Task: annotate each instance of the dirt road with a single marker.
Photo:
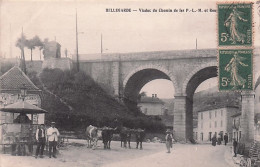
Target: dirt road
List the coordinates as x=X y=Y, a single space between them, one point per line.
x=153 y=155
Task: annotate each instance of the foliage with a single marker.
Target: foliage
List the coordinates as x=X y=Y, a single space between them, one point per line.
x=90 y=103
x=21 y=43
x=5 y=66
x=34 y=42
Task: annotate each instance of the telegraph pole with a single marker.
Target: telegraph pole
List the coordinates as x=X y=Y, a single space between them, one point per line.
x=77 y=54
x=101 y=45
x=196 y=44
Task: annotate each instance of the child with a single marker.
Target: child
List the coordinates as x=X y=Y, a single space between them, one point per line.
x=168 y=139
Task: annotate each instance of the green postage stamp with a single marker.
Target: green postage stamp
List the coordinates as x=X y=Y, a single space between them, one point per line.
x=235 y=24
x=235 y=69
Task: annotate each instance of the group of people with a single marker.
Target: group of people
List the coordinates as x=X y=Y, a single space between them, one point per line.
x=42 y=137
x=218 y=140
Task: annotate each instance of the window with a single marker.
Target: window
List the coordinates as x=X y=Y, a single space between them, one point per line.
x=209 y=115
x=215 y=113
x=216 y=124
x=239 y=135
x=201 y=136
x=221 y=123
x=210 y=133
x=201 y=116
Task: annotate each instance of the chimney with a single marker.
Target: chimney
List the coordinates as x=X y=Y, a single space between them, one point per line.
x=155 y=95
x=152 y=95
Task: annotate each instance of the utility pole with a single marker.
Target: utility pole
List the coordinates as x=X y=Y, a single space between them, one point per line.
x=10 y=42
x=101 y=45
x=77 y=54
x=196 y=44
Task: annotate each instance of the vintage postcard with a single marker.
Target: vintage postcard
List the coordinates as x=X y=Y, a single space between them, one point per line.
x=115 y=83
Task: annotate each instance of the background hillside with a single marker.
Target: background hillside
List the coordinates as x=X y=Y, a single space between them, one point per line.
x=89 y=103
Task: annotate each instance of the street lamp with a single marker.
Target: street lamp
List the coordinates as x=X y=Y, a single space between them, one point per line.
x=23 y=92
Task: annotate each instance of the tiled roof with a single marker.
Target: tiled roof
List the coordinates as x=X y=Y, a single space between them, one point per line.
x=14 y=79
x=145 y=99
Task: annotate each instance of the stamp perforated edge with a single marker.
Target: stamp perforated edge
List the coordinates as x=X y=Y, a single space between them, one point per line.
x=253 y=74
x=236 y=46
x=252 y=22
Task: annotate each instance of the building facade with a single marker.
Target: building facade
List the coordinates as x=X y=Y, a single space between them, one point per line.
x=151 y=105
x=10 y=92
x=215 y=122
x=236 y=127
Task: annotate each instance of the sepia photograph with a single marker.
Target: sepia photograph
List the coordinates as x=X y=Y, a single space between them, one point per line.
x=119 y=83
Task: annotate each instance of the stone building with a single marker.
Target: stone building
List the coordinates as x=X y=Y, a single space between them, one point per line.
x=236 y=127
x=151 y=105
x=11 y=83
x=215 y=121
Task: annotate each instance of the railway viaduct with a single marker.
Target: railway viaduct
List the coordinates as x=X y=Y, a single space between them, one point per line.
x=124 y=75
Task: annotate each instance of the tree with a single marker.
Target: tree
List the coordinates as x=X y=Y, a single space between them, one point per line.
x=34 y=42
x=140 y=95
x=21 y=43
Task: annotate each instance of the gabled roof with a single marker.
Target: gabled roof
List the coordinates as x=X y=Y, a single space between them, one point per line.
x=145 y=99
x=14 y=79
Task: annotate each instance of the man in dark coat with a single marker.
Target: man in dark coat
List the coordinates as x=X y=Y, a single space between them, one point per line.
x=226 y=139
x=41 y=140
x=235 y=147
x=214 y=140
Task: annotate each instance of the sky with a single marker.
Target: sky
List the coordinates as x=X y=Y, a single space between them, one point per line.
x=122 y=32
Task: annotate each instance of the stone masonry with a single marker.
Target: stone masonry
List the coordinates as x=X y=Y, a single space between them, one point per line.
x=124 y=75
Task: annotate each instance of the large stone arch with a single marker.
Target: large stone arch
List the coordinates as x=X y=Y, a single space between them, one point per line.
x=151 y=66
x=137 y=78
x=195 y=71
x=183 y=104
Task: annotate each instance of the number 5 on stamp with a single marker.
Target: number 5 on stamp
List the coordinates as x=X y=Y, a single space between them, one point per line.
x=235 y=24
x=235 y=69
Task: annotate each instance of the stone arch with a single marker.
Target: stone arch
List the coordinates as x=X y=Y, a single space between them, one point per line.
x=156 y=67
x=136 y=79
x=195 y=71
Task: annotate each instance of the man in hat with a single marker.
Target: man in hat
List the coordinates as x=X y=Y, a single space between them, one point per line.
x=168 y=139
x=52 y=134
x=41 y=140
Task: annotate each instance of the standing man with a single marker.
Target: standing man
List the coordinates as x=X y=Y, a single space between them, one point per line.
x=235 y=147
x=226 y=139
x=41 y=139
x=168 y=139
x=53 y=134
